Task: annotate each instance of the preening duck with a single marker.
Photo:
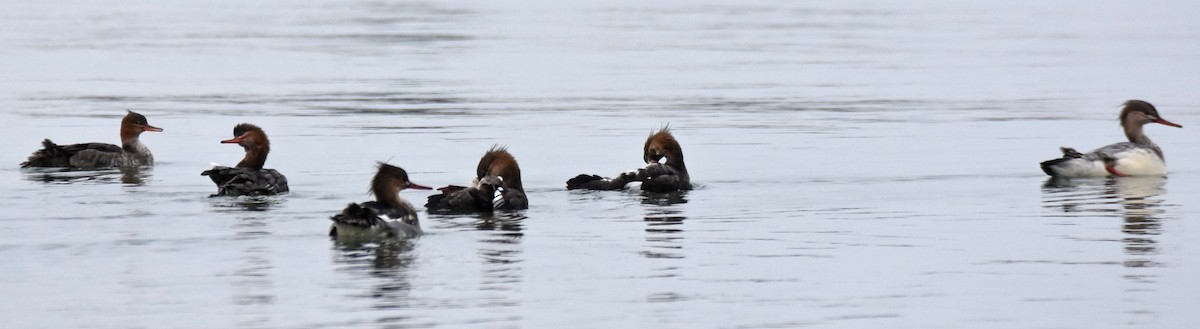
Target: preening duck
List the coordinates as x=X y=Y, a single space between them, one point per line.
x=1137 y=157
x=387 y=216
x=131 y=153
x=248 y=177
x=497 y=186
x=656 y=176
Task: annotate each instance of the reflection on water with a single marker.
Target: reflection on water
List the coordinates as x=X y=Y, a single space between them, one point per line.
x=247 y=203
x=1135 y=199
x=865 y=243
x=664 y=199
x=509 y=224
x=664 y=232
x=500 y=249
x=1138 y=202
x=252 y=283
x=132 y=176
x=387 y=261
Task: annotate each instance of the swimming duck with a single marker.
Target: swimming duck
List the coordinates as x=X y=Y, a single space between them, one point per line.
x=388 y=216
x=1137 y=157
x=131 y=153
x=655 y=176
x=497 y=186
x=248 y=177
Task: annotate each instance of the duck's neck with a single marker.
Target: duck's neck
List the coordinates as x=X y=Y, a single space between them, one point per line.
x=1136 y=136
x=256 y=157
x=388 y=196
x=513 y=181
x=675 y=160
x=1134 y=132
x=136 y=153
x=133 y=145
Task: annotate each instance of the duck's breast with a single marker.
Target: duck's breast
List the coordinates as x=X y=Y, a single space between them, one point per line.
x=1140 y=161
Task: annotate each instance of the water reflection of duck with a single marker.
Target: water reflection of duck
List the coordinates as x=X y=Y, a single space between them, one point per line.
x=1138 y=203
x=134 y=176
x=497 y=186
x=655 y=176
x=131 y=153
x=388 y=216
x=248 y=177
x=1137 y=157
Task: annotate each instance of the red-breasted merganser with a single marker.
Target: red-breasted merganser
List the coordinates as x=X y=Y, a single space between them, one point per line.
x=655 y=176
x=1137 y=157
x=131 y=153
x=388 y=216
x=248 y=177
x=497 y=186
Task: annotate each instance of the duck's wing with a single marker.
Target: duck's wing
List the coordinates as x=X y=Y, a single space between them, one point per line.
x=510 y=199
x=362 y=215
x=595 y=182
x=662 y=178
x=1116 y=151
x=84 y=155
x=234 y=181
x=1074 y=164
x=460 y=199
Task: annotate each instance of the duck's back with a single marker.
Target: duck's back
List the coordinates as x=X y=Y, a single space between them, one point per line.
x=83 y=155
x=1127 y=158
x=371 y=218
x=235 y=181
x=662 y=178
x=454 y=199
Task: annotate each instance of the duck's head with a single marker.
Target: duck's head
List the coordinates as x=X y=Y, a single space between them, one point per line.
x=501 y=164
x=662 y=144
x=249 y=136
x=1139 y=112
x=390 y=180
x=134 y=124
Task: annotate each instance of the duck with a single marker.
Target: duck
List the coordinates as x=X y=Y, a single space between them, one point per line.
x=1137 y=157
x=388 y=216
x=657 y=176
x=131 y=153
x=248 y=177
x=497 y=187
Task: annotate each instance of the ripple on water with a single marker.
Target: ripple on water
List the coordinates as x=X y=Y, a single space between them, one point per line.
x=1136 y=201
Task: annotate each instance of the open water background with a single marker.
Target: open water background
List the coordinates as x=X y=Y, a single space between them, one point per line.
x=859 y=163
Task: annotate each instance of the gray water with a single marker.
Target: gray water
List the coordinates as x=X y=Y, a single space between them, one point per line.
x=858 y=164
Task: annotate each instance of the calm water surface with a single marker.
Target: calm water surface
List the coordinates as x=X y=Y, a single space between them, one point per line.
x=859 y=164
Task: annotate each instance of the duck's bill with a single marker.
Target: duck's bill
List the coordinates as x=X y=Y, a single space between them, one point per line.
x=235 y=140
x=1167 y=123
x=491 y=181
x=415 y=186
x=151 y=128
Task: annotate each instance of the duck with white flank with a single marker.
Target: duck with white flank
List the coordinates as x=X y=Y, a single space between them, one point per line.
x=248 y=177
x=1137 y=157
x=655 y=176
x=388 y=216
x=131 y=153
x=497 y=186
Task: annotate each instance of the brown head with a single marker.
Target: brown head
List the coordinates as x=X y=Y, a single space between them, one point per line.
x=661 y=145
x=388 y=182
x=498 y=162
x=1139 y=112
x=133 y=125
x=254 y=141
